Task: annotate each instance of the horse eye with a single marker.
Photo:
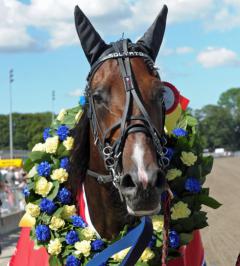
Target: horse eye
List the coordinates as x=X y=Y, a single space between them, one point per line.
x=158 y=96
x=97 y=97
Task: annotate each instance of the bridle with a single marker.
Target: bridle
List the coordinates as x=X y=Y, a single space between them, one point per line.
x=111 y=153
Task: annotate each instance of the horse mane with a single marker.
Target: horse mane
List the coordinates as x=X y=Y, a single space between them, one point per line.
x=80 y=154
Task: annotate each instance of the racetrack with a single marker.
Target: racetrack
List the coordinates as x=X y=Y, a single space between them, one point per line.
x=222 y=238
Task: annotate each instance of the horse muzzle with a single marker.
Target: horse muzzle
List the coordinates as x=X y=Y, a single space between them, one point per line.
x=143 y=194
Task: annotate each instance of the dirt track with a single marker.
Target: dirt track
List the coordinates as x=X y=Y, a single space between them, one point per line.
x=222 y=238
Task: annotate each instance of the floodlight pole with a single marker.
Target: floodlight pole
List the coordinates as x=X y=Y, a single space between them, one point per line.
x=10 y=114
x=53 y=99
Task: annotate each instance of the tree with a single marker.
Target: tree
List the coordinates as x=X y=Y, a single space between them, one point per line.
x=219 y=125
x=27 y=129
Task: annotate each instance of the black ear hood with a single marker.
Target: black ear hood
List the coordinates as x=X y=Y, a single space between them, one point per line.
x=152 y=38
x=92 y=44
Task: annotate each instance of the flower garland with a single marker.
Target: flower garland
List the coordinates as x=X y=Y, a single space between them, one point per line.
x=68 y=239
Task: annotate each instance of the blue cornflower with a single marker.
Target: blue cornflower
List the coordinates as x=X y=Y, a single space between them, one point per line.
x=169 y=153
x=72 y=237
x=179 y=132
x=26 y=191
x=44 y=169
x=47 y=206
x=72 y=261
x=97 y=245
x=64 y=196
x=77 y=221
x=174 y=239
x=64 y=163
x=42 y=233
x=82 y=100
x=46 y=133
x=63 y=132
x=152 y=242
x=193 y=185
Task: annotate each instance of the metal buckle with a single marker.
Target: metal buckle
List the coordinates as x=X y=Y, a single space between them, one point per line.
x=107 y=151
x=100 y=179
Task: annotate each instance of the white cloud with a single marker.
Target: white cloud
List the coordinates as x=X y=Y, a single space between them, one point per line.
x=109 y=17
x=12 y=39
x=62 y=34
x=166 y=51
x=184 y=50
x=216 y=57
x=226 y=16
x=76 y=93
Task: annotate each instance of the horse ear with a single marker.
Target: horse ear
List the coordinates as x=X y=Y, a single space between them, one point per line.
x=92 y=44
x=152 y=38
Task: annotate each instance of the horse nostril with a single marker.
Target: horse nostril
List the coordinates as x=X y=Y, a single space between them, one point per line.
x=127 y=181
x=160 y=179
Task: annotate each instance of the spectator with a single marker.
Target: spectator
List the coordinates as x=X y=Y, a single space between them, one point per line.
x=10 y=177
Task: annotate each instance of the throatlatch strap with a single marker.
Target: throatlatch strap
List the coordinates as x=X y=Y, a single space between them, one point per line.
x=137 y=239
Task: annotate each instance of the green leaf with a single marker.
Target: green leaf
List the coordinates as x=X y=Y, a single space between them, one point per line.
x=208 y=201
x=191 y=121
x=28 y=165
x=182 y=123
x=61 y=151
x=159 y=243
x=140 y=263
x=207 y=164
x=185 y=238
x=200 y=220
x=54 y=191
x=31 y=185
x=205 y=191
x=58 y=212
x=38 y=156
x=54 y=261
x=45 y=218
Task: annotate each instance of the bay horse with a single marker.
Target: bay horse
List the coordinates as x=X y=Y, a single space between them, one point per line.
x=119 y=159
x=119 y=141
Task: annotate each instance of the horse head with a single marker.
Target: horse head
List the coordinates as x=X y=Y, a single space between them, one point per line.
x=125 y=111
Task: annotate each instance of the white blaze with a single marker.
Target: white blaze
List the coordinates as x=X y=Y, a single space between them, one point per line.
x=137 y=157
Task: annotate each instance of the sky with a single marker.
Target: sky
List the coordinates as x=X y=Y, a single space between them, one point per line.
x=200 y=53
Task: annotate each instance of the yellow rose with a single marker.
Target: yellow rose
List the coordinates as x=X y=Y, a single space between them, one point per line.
x=60 y=174
x=56 y=223
x=147 y=255
x=61 y=115
x=54 y=247
x=83 y=247
x=158 y=222
x=188 y=158
x=180 y=210
x=51 y=144
x=68 y=143
x=120 y=255
x=43 y=187
x=78 y=116
x=88 y=233
x=173 y=173
x=32 y=209
x=39 y=147
x=68 y=211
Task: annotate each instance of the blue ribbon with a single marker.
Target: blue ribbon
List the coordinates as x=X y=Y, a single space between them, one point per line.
x=138 y=239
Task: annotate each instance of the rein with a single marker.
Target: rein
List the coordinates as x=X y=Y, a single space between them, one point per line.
x=111 y=153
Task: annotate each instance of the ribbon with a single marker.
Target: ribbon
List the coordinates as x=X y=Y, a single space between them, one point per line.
x=137 y=239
